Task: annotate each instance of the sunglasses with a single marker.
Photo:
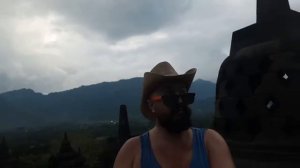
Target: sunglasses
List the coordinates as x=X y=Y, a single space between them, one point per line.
x=175 y=99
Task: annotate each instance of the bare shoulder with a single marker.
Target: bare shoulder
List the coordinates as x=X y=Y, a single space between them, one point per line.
x=128 y=153
x=132 y=144
x=212 y=137
x=218 y=151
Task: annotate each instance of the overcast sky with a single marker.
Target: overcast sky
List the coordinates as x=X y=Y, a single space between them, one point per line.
x=55 y=45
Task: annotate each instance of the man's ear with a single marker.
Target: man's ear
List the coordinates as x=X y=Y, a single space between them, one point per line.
x=150 y=105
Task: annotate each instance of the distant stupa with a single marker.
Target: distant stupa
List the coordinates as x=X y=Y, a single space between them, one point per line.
x=67 y=157
x=124 y=131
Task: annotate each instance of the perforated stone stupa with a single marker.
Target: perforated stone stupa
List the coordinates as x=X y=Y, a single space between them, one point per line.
x=258 y=88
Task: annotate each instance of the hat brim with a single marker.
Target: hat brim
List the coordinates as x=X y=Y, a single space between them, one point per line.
x=153 y=80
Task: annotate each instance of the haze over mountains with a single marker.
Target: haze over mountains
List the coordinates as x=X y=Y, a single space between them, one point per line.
x=98 y=102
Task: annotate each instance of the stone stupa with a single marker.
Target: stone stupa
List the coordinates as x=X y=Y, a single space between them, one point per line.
x=258 y=88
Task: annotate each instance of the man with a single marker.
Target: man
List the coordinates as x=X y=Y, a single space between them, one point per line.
x=172 y=143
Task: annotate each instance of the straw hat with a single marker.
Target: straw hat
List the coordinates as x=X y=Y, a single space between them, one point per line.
x=162 y=73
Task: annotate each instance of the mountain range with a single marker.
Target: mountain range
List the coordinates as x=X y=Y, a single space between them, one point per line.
x=97 y=102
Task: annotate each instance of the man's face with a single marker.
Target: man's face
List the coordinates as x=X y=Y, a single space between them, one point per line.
x=170 y=103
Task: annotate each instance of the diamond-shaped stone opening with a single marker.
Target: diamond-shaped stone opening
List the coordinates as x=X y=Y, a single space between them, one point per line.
x=285 y=76
x=270 y=104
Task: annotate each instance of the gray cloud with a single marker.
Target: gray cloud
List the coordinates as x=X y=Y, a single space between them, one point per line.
x=116 y=19
x=55 y=45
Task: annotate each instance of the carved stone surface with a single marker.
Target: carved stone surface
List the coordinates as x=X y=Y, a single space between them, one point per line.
x=258 y=88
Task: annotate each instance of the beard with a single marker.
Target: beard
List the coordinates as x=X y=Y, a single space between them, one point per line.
x=177 y=121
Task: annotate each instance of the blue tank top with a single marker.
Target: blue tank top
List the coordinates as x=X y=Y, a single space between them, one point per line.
x=199 y=159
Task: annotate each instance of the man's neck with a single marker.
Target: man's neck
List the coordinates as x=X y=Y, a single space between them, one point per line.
x=161 y=133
